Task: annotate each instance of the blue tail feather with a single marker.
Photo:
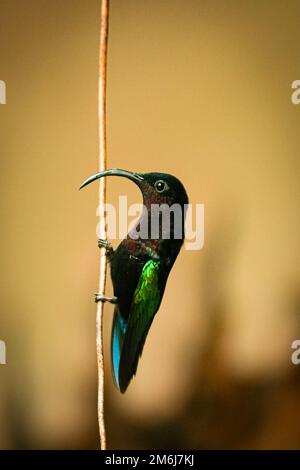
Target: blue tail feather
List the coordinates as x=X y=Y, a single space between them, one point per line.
x=118 y=333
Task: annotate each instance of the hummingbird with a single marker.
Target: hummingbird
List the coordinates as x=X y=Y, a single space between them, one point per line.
x=141 y=264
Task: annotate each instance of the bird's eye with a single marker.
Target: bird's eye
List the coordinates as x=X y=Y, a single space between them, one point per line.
x=161 y=186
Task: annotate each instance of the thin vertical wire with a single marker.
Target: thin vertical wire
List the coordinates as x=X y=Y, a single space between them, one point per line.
x=102 y=224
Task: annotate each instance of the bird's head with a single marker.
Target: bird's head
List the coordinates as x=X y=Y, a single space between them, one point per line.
x=163 y=197
x=156 y=188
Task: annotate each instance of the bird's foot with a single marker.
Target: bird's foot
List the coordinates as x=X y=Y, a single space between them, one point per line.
x=103 y=298
x=107 y=245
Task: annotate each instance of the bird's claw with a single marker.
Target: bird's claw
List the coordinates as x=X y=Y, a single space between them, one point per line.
x=103 y=298
x=105 y=244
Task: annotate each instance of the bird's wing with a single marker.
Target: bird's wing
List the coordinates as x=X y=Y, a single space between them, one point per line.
x=145 y=303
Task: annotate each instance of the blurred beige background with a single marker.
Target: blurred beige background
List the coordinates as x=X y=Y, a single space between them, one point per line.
x=200 y=89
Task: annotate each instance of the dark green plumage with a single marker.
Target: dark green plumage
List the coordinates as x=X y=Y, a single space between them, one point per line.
x=139 y=269
x=145 y=303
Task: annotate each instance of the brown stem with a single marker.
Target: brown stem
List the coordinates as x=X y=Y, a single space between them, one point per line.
x=102 y=225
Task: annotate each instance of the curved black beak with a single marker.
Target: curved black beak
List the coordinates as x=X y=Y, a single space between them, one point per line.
x=116 y=172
